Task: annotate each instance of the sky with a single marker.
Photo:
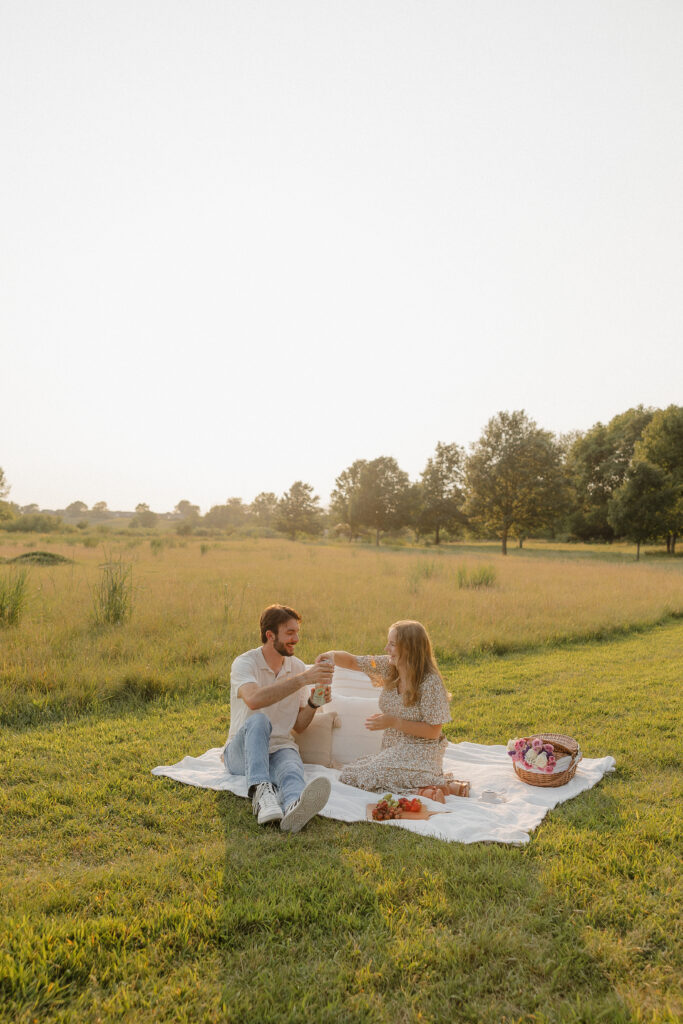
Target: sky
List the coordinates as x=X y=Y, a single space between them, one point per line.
x=247 y=243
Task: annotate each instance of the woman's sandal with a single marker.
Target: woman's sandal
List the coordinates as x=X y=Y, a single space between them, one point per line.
x=439 y=793
x=432 y=793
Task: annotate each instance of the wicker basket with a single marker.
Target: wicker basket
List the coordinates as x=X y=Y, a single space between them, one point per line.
x=563 y=745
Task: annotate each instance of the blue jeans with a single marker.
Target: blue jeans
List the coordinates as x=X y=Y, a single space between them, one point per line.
x=247 y=754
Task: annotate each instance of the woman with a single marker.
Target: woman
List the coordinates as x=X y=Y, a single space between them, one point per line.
x=413 y=707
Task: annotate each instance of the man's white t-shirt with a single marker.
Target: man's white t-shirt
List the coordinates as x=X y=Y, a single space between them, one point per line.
x=252 y=667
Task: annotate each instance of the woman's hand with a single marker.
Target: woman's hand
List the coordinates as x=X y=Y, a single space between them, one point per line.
x=380 y=721
x=326 y=656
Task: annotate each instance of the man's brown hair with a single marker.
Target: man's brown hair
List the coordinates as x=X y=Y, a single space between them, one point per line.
x=274 y=616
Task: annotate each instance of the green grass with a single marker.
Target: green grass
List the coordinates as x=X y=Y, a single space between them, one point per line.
x=13 y=588
x=130 y=898
x=482 y=576
x=113 y=598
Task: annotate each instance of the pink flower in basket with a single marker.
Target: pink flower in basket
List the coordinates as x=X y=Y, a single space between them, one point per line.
x=532 y=752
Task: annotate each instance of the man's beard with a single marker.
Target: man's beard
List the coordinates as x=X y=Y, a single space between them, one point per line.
x=280 y=648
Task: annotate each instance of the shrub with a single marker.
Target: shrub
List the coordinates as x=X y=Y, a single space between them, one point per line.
x=42 y=558
x=12 y=597
x=484 y=576
x=33 y=522
x=114 y=595
x=156 y=545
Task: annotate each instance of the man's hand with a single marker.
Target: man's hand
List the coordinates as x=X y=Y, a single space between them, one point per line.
x=307 y=712
x=327 y=692
x=319 y=674
x=380 y=721
x=257 y=697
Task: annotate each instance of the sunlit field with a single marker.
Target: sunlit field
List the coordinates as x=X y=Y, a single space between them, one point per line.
x=195 y=605
x=130 y=898
x=127 y=898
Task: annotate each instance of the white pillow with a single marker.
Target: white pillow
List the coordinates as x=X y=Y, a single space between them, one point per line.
x=347 y=682
x=351 y=739
x=315 y=742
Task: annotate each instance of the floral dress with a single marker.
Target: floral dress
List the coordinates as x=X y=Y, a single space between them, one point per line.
x=405 y=763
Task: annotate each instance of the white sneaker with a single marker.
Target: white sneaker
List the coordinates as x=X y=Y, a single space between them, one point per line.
x=265 y=804
x=313 y=799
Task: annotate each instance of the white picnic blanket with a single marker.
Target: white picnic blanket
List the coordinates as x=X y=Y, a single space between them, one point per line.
x=468 y=820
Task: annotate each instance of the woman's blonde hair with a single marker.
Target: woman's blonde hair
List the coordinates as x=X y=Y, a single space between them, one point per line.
x=416 y=657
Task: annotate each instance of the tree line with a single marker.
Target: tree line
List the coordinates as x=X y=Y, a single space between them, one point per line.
x=620 y=479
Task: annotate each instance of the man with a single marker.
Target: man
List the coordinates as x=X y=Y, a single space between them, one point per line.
x=268 y=698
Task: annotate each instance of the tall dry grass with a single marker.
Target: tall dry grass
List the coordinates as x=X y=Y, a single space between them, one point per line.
x=194 y=611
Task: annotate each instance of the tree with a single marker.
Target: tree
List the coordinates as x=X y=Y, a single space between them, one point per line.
x=100 y=510
x=76 y=509
x=514 y=477
x=189 y=517
x=440 y=494
x=638 y=510
x=298 y=511
x=144 y=516
x=596 y=464
x=383 y=499
x=662 y=445
x=8 y=510
x=345 y=496
x=187 y=510
x=263 y=508
x=226 y=517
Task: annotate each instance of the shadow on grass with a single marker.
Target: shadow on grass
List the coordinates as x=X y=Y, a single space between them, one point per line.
x=363 y=923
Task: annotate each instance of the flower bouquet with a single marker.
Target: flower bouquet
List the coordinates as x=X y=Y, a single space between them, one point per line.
x=534 y=753
x=545 y=760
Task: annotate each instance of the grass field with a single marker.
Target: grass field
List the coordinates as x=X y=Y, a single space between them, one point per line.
x=193 y=612
x=130 y=898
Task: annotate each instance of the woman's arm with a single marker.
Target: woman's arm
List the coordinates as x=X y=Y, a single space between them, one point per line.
x=341 y=658
x=422 y=729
